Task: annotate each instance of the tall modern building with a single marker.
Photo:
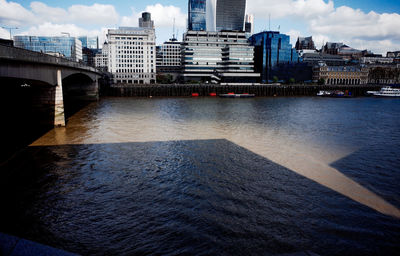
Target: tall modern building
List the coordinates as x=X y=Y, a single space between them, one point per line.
x=272 y=49
x=249 y=25
x=69 y=47
x=230 y=15
x=197 y=15
x=210 y=15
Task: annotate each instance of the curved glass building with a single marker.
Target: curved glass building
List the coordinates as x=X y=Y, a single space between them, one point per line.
x=197 y=15
x=230 y=15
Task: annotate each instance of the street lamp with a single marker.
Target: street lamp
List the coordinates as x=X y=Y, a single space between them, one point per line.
x=10 y=28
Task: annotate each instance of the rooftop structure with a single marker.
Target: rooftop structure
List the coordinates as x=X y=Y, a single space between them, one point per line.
x=331 y=60
x=332 y=48
x=145 y=21
x=305 y=43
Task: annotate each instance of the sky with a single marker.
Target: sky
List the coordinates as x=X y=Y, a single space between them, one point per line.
x=362 y=24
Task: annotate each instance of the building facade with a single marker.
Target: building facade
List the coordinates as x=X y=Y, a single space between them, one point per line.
x=132 y=55
x=271 y=49
x=340 y=75
x=230 y=15
x=89 y=42
x=69 y=47
x=331 y=60
x=169 y=58
x=217 y=56
x=249 y=25
x=101 y=58
x=305 y=43
x=197 y=12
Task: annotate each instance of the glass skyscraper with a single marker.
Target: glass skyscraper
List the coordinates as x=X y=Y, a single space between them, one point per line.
x=197 y=15
x=69 y=47
x=271 y=49
x=230 y=15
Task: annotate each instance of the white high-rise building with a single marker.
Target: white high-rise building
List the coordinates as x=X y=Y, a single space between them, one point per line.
x=211 y=7
x=132 y=55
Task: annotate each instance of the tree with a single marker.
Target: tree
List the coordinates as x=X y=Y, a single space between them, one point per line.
x=292 y=80
x=275 y=79
x=321 y=81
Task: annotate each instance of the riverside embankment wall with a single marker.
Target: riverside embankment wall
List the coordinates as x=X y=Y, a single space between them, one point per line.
x=185 y=90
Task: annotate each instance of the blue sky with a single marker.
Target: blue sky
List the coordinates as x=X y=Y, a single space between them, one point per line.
x=359 y=23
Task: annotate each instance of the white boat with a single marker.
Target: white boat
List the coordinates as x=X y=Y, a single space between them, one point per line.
x=386 y=91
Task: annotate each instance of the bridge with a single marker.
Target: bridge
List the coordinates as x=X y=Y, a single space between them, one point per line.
x=41 y=85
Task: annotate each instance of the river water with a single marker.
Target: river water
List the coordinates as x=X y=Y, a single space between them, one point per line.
x=210 y=176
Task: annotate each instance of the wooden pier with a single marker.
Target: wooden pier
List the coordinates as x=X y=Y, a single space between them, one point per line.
x=265 y=90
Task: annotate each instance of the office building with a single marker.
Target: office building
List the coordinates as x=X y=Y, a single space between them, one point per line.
x=271 y=49
x=101 y=58
x=169 y=58
x=217 y=57
x=145 y=21
x=305 y=43
x=132 y=55
x=197 y=15
x=211 y=6
x=89 y=42
x=230 y=15
x=331 y=60
x=340 y=75
x=69 y=47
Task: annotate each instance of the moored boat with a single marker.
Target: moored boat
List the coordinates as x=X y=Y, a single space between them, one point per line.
x=237 y=95
x=386 y=91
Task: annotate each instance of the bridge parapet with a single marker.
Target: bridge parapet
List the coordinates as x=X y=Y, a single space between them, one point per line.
x=19 y=54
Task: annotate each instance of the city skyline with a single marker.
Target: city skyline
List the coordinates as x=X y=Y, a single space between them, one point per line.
x=360 y=24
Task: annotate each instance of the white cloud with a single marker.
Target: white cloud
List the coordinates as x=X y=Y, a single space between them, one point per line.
x=13 y=14
x=285 y=8
x=132 y=20
x=164 y=15
x=51 y=29
x=45 y=13
x=94 y=14
x=375 y=31
x=4 y=33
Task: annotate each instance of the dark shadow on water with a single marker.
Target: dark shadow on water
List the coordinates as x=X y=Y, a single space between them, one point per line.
x=203 y=197
x=376 y=168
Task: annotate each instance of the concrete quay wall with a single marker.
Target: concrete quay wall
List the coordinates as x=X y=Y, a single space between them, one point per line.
x=186 y=90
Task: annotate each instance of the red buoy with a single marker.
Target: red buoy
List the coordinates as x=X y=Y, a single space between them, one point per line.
x=195 y=94
x=213 y=94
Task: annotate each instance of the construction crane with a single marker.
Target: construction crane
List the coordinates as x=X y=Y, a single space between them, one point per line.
x=10 y=29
